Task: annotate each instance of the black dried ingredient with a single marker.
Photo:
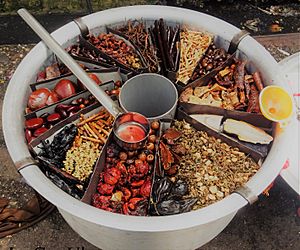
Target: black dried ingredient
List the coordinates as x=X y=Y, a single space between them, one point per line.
x=179 y=189
x=64 y=186
x=170 y=207
x=162 y=189
x=62 y=142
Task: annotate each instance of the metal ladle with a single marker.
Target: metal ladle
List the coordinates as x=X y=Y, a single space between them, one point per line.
x=121 y=118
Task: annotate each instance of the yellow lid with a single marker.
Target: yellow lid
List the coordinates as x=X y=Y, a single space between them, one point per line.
x=275 y=103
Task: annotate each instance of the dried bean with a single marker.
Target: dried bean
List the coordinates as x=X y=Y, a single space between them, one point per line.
x=73 y=109
x=54 y=118
x=34 y=123
x=39 y=131
x=28 y=135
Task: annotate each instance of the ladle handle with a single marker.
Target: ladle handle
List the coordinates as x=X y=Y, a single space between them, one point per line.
x=100 y=95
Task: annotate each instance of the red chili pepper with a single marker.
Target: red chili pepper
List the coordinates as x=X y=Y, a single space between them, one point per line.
x=137 y=183
x=125 y=209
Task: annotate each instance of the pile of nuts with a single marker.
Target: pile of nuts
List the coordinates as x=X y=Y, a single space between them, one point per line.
x=125 y=183
x=213 y=58
x=211 y=168
x=117 y=49
x=193 y=45
x=91 y=135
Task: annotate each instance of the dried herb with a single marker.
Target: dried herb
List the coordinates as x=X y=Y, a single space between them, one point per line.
x=136 y=32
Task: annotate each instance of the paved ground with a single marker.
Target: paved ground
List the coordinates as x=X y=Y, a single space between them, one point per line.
x=271 y=223
x=259 y=19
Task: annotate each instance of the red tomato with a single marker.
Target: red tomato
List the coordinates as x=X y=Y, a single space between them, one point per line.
x=64 y=88
x=95 y=78
x=38 y=98
x=52 y=98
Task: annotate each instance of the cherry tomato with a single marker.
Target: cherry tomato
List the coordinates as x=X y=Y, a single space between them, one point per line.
x=38 y=98
x=64 y=88
x=95 y=78
x=52 y=98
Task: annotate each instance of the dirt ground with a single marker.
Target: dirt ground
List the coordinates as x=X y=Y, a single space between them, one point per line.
x=271 y=223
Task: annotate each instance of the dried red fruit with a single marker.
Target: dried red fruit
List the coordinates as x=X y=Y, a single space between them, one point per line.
x=95 y=78
x=38 y=98
x=52 y=98
x=28 y=135
x=105 y=189
x=64 y=88
x=146 y=189
x=112 y=176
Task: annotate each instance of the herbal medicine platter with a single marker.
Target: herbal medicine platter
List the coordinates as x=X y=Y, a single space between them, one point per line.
x=195 y=228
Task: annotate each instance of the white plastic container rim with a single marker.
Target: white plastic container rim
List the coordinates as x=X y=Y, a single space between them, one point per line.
x=290 y=67
x=17 y=94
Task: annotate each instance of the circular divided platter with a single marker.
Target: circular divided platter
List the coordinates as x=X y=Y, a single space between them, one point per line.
x=214 y=144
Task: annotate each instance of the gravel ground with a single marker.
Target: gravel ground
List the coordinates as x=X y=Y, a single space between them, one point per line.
x=271 y=223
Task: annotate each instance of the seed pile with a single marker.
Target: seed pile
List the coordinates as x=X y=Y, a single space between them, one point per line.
x=211 y=168
x=81 y=160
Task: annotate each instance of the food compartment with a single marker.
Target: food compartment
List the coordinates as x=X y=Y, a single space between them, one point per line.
x=166 y=38
x=38 y=122
x=123 y=182
x=115 y=49
x=257 y=152
x=52 y=91
x=136 y=31
x=55 y=68
x=250 y=131
x=68 y=153
x=84 y=53
x=234 y=87
x=193 y=47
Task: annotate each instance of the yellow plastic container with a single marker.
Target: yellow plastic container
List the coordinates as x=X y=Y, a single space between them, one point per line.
x=276 y=104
